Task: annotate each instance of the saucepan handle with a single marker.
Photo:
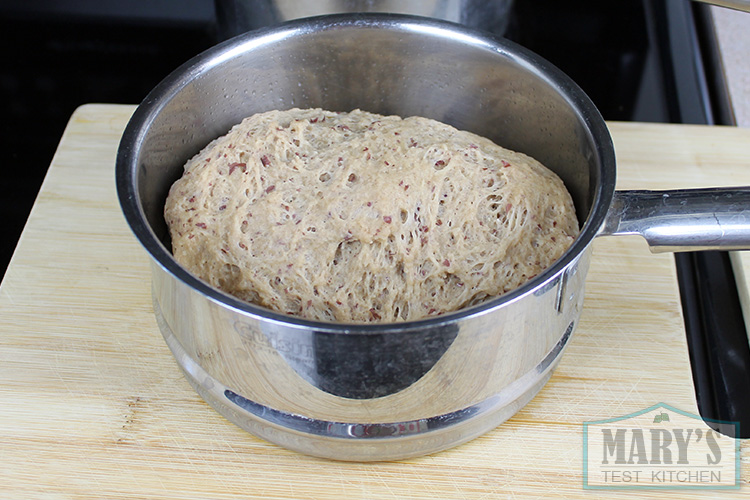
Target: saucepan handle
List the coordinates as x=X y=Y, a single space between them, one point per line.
x=743 y=5
x=683 y=220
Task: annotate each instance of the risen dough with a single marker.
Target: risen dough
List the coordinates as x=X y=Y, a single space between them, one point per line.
x=358 y=217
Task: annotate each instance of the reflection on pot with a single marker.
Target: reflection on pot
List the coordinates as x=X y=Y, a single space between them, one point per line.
x=238 y=16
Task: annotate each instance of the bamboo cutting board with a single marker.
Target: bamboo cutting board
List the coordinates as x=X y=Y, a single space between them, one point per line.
x=92 y=404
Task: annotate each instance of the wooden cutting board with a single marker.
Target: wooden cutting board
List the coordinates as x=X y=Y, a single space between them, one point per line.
x=92 y=404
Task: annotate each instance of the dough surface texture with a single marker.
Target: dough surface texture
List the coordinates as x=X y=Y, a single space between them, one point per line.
x=357 y=217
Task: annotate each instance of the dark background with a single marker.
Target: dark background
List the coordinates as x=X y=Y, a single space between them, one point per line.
x=64 y=53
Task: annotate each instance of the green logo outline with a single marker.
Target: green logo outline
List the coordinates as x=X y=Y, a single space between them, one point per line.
x=736 y=425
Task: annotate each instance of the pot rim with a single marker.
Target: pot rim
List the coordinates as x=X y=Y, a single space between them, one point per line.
x=128 y=154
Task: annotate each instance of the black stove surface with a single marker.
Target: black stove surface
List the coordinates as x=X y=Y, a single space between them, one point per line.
x=650 y=61
x=639 y=60
x=67 y=53
x=62 y=54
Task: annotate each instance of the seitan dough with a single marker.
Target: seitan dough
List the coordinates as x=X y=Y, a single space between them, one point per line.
x=358 y=217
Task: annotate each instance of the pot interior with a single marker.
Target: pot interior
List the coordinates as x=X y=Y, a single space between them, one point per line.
x=382 y=64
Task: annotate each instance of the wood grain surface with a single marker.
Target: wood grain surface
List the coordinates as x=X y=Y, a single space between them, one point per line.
x=93 y=405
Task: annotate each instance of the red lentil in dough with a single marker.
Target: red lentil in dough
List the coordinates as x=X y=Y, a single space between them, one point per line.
x=357 y=217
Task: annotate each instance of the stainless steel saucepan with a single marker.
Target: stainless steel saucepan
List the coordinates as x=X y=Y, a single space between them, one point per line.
x=389 y=391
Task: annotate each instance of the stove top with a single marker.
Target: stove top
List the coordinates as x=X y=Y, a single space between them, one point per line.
x=649 y=61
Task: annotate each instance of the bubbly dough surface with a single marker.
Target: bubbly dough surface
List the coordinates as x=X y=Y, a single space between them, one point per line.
x=357 y=217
